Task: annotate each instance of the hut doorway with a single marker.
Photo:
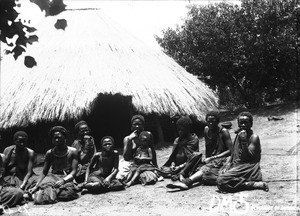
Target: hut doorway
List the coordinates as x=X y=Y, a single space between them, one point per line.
x=110 y=116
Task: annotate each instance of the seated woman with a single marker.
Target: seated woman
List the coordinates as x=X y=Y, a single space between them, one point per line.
x=101 y=173
x=130 y=147
x=142 y=162
x=217 y=149
x=19 y=163
x=184 y=147
x=58 y=185
x=86 y=149
x=243 y=169
x=9 y=196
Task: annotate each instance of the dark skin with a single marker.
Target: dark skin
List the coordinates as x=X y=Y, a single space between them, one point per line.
x=184 y=133
x=89 y=146
x=83 y=130
x=24 y=162
x=211 y=129
x=61 y=148
x=130 y=141
x=250 y=142
x=145 y=154
x=250 y=145
x=2 y=158
x=84 y=135
x=104 y=163
x=136 y=127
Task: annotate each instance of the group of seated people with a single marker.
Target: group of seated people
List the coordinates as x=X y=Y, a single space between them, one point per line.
x=79 y=167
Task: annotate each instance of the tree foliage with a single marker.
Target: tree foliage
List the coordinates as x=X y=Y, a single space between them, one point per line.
x=17 y=33
x=247 y=52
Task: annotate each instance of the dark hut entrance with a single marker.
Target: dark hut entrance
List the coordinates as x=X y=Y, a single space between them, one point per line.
x=110 y=116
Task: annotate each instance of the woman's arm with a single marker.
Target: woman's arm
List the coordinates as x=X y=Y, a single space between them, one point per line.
x=29 y=168
x=91 y=165
x=45 y=171
x=71 y=175
x=127 y=153
x=227 y=142
x=115 y=168
x=250 y=150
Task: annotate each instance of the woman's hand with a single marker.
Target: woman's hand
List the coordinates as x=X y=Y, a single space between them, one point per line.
x=33 y=190
x=22 y=186
x=242 y=136
x=133 y=135
x=106 y=183
x=59 y=183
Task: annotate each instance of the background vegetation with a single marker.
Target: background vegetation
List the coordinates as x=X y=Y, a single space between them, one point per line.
x=248 y=53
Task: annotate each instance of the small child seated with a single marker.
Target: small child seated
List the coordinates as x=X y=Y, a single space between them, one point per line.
x=100 y=175
x=142 y=167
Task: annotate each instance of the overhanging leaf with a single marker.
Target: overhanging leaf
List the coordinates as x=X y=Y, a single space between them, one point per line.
x=60 y=24
x=32 y=38
x=29 y=62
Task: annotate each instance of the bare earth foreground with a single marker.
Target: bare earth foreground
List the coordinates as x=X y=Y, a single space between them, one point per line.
x=280 y=166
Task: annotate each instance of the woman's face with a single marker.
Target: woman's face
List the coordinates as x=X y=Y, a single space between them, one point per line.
x=183 y=131
x=21 y=142
x=83 y=130
x=58 y=139
x=107 y=145
x=212 y=122
x=137 y=125
x=244 y=123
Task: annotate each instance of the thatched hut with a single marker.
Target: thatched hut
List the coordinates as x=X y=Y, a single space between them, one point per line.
x=94 y=69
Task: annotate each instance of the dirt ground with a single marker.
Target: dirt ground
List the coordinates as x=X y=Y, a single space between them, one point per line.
x=280 y=165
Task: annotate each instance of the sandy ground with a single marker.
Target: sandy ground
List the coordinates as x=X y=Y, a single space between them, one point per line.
x=280 y=166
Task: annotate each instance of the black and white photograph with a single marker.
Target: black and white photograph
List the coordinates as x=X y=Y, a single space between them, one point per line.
x=149 y=107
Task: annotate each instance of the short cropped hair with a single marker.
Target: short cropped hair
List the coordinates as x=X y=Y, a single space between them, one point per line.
x=248 y=114
x=184 y=121
x=214 y=113
x=140 y=117
x=58 y=129
x=108 y=137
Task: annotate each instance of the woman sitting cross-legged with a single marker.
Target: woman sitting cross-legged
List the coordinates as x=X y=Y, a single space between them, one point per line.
x=57 y=185
x=185 y=146
x=101 y=173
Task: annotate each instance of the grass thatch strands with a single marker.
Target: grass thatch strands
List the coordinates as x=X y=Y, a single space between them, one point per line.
x=94 y=55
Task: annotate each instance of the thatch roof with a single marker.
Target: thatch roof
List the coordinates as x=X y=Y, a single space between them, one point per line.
x=94 y=55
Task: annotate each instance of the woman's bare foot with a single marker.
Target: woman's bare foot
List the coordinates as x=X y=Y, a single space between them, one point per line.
x=181 y=178
x=261 y=185
x=178 y=184
x=128 y=184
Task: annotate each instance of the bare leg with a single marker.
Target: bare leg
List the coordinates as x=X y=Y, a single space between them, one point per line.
x=135 y=176
x=185 y=184
x=256 y=185
x=93 y=186
x=128 y=177
x=197 y=176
